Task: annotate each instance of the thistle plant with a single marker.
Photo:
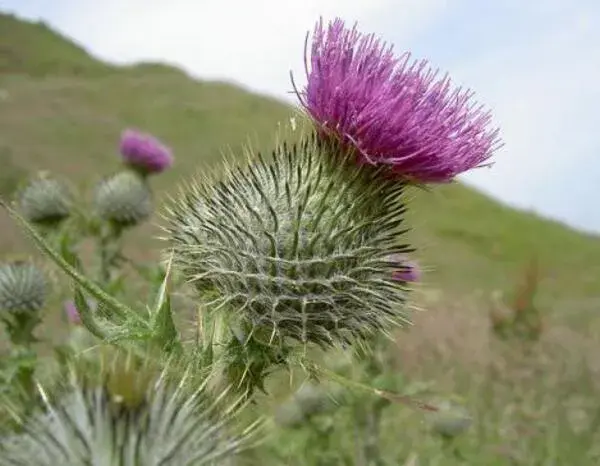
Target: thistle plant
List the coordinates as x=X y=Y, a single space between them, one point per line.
x=72 y=313
x=49 y=203
x=393 y=111
x=117 y=409
x=45 y=201
x=299 y=249
x=23 y=292
x=408 y=270
x=144 y=153
x=123 y=199
x=293 y=248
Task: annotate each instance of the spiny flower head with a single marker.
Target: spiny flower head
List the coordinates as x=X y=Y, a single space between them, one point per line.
x=45 y=200
x=23 y=287
x=392 y=110
x=128 y=414
x=145 y=152
x=124 y=199
x=295 y=245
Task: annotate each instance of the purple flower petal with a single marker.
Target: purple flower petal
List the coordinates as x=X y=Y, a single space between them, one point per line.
x=145 y=152
x=408 y=270
x=72 y=313
x=393 y=110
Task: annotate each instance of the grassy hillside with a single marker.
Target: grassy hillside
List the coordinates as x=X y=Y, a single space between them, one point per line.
x=62 y=110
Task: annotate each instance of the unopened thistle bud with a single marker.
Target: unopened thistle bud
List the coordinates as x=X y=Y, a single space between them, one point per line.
x=124 y=199
x=45 y=200
x=295 y=245
x=23 y=288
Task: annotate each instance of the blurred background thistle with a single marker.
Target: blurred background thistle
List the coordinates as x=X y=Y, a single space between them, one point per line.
x=23 y=293
x=113 y=408
x=45 y=201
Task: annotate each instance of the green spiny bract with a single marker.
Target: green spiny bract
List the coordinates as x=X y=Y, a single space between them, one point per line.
x=124 y=199
x=23 y=288
x=127 y=412
x=295 y=245
x=45 y=200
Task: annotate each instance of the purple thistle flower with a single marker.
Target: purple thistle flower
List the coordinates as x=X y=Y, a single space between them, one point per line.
x=72 y=313
x=392 y=110
x=145 y=152
x=408 y=271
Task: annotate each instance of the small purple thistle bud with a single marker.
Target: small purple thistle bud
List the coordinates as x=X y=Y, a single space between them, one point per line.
x=144 y=152
x=408 y=270
x=392 y=110
x=72 y=313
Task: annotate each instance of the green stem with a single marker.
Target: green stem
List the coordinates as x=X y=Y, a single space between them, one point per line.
x=390 y=396
x=109 y=251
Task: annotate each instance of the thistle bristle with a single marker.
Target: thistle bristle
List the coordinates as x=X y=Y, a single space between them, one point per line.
x=23 y=287
x=295 y=244
x=45 y=200
x=128 y=413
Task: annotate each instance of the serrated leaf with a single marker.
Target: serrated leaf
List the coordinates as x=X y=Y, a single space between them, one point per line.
x=87 y=318
x=164 y=330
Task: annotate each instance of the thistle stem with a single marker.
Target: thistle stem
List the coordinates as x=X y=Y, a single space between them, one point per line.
x=109 y=251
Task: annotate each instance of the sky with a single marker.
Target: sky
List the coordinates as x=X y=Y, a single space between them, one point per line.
x=535 y=64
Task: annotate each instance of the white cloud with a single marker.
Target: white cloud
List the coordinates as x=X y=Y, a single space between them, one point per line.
x=255 y=43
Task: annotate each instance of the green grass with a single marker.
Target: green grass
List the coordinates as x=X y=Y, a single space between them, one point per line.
x=62 y=110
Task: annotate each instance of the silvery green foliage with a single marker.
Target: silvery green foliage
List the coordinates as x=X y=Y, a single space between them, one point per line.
x=295 y=245
x=86 y=426
x=124 y=199
x=45 y=200
x=23 y=287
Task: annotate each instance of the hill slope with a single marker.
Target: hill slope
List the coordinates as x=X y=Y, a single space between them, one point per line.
x=62 y=110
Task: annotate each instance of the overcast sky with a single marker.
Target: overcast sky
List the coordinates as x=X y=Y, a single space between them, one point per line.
x=534 y=63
